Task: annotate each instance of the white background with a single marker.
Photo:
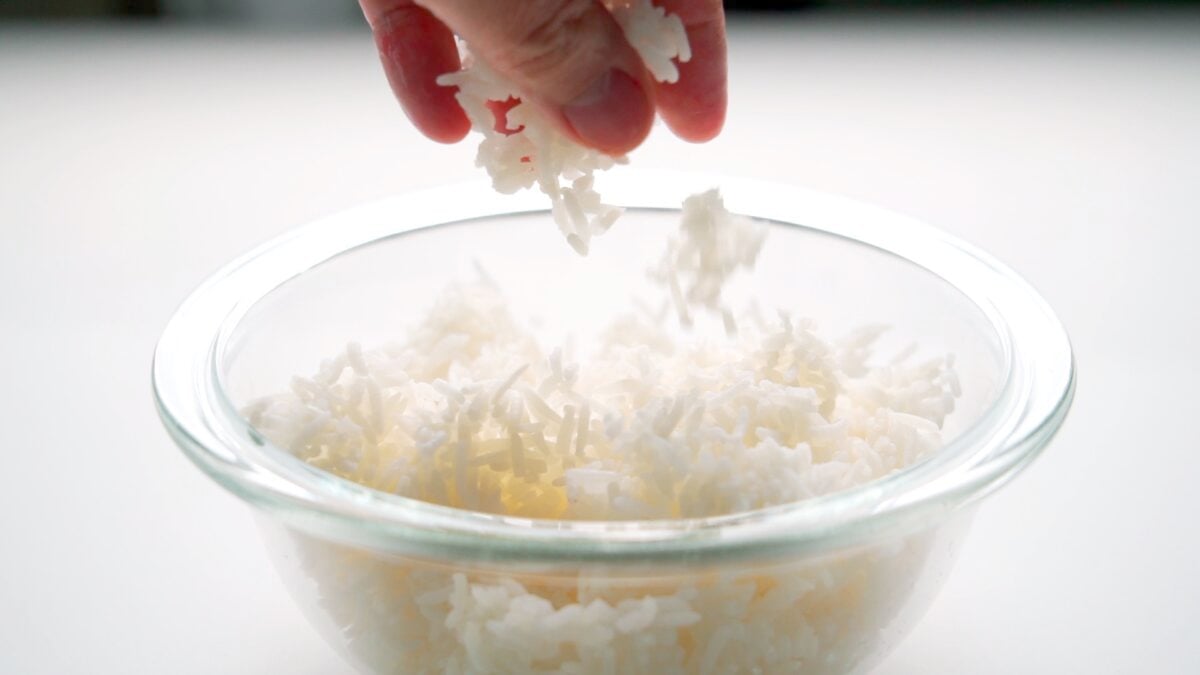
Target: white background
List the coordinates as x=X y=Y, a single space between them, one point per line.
x=134 y=161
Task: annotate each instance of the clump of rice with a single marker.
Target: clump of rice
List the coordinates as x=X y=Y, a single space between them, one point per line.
x=530 y=150
x=711 y=246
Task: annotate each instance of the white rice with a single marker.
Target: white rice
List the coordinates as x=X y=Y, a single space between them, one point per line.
x=817 y=616
x=538 y=153
x=470 y=411
x=773 y=416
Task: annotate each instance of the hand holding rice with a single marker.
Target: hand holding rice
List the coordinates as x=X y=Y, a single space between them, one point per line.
x=558 y=89
x=560 y=54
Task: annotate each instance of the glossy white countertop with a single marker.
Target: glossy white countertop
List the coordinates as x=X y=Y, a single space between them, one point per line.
x=135 y=160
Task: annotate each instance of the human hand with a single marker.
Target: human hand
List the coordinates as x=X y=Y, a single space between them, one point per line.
x=569 y=57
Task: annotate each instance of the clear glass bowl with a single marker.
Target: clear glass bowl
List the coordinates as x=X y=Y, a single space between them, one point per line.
x=826 y=585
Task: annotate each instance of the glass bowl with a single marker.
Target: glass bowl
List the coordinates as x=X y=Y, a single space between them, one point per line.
x=825 y=585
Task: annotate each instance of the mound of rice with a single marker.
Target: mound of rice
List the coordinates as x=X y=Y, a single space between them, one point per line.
x=470 y=411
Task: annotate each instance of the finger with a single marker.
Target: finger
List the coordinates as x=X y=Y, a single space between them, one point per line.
x=568 y=57
x=415 y=49
x=694 y=107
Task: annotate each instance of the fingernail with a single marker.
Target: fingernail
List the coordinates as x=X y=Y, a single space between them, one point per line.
x=613 y=115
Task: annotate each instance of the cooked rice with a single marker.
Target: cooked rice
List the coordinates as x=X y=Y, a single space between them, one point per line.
x=531 y=150
x=471 y=411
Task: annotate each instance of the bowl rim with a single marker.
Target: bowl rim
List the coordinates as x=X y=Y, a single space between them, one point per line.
x=1034 y=399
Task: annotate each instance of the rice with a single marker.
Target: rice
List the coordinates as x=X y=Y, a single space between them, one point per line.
x=772 y=416
x=530 y=150
x=818 y=616
x=471 y=411
x=712 y=245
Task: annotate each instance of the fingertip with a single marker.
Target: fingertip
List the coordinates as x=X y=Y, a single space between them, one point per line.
x=694 y=124
x=448 y=124
x=694 y=107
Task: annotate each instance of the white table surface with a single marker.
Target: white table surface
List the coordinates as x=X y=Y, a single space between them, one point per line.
x=134 y=160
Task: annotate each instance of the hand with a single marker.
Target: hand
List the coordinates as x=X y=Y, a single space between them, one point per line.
x=569 y=57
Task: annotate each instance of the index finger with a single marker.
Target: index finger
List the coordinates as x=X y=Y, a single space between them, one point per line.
x=694 y=107
x=415 y=48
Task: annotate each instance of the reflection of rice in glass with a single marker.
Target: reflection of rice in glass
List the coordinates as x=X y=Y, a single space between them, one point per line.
x=821 y=615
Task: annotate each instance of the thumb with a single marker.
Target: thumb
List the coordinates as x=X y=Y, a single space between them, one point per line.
x=568 y=57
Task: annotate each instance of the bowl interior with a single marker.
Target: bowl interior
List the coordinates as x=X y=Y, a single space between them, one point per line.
x=374 y=293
